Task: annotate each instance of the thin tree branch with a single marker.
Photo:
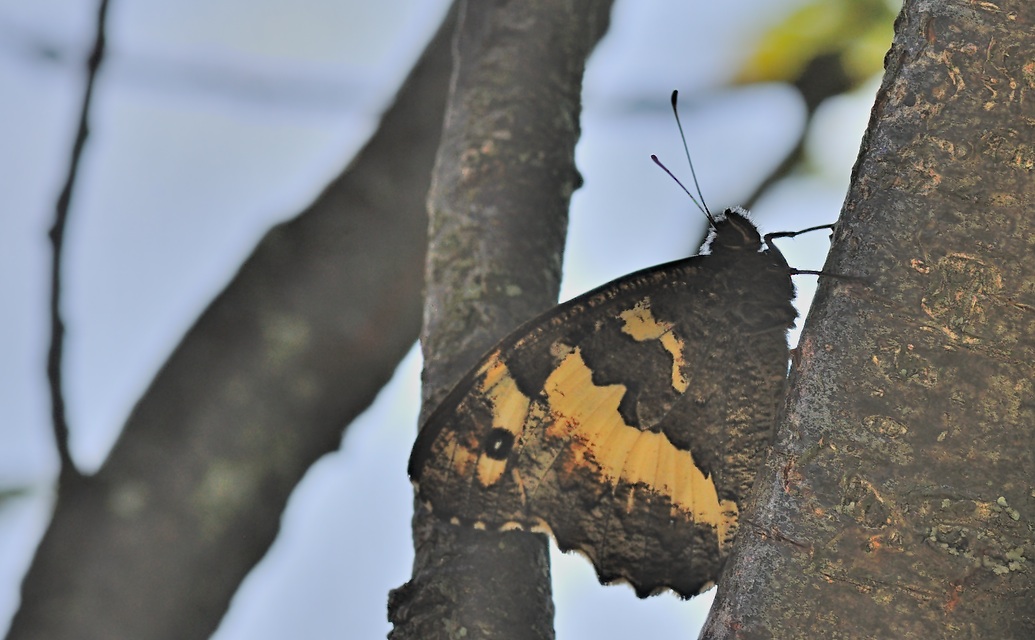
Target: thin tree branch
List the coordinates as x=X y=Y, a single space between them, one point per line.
x=57 y=239
x=823 y=77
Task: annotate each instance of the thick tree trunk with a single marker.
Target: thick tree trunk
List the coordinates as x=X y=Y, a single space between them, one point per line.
x=499 y=202
x=299 y=343
x=899 y=501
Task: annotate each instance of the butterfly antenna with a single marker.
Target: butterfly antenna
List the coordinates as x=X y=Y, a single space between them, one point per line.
x=693 y=174
x=704 y=210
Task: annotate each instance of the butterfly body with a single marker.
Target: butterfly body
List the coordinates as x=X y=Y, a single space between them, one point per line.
x=628 y=422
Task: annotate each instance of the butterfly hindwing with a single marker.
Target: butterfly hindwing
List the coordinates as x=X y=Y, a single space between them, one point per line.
x=628 y=422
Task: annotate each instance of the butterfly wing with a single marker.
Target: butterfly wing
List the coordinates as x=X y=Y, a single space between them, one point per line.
x=628 y=422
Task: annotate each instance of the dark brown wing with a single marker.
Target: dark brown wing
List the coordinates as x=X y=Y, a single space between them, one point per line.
x=629 y=422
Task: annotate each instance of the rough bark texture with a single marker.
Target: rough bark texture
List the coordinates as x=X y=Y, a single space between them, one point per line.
x=503 y=179
x=299 y=343
x=899 y=500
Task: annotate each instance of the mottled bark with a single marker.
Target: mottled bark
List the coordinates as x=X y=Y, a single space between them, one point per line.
x=898 y=501
x=499 y=202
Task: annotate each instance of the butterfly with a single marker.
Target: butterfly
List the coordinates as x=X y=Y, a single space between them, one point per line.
x=628 y=422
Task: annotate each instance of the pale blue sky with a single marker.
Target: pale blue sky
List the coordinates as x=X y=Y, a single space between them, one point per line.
x=215 y=120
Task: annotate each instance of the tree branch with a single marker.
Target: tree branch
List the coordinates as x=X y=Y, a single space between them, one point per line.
x=299 y=343
x=69 y=472
x=503 y=179
x=897 y=500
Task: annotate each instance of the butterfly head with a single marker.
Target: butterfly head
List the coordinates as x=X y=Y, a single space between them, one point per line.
x=734 y=231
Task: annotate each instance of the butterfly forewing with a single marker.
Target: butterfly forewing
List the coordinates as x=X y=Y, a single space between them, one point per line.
x=629 y=422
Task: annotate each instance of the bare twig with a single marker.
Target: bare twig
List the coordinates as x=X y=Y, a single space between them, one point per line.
x=57 y=238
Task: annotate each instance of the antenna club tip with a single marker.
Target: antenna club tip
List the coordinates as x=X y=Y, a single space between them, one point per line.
x=675 y=96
